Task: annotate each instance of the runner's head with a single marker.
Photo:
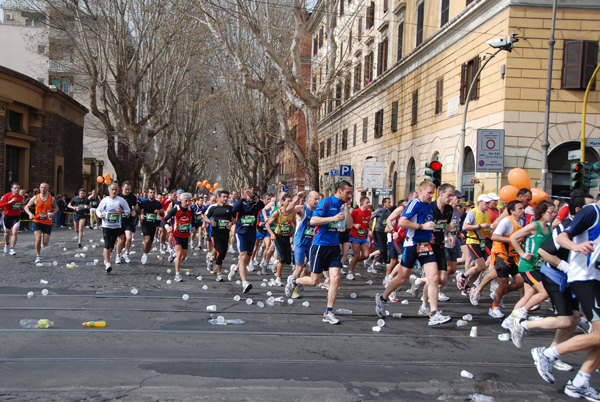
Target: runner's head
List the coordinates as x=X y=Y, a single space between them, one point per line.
x=426 y=191
x=126 y=187
x=222 y=197
x=81 y=192
x=343 y=191
x=151 y=193
x=113 y=190
x=515 y=209
x=483 y=202
x=185 y=199
x=285 y=201
x=445 y=193
x=544 y=211
x=15 y=188
x=364 y=203
x=493 y=200
x=312 y=199
x=44 y=188
x=524 y=195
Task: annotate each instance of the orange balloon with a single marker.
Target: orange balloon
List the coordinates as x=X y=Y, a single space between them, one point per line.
x=508 y=193
x=537 y=196
x=107 y=175
x=99 y=179
x=216 y=186
x=199 y=184
x=107 y=181
x=205 y=182
x=519 y=178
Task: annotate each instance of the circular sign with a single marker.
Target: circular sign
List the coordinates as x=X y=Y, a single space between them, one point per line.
x=490 y=144
x=481 y=163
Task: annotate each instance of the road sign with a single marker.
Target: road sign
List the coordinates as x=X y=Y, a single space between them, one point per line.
x=384 y=191
x=372 y=176
x=490 y=150
x=285 y=189
x=345 y=170
x=574 y=155
x=592 y=142
x=333 y=172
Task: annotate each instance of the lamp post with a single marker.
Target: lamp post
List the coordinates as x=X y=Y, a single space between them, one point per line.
x=499 y=44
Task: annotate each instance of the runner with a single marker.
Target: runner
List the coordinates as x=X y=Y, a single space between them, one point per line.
x=379 y=235
x=150 y=213
x=94 y=201
x=222 y=217
x=453 y=252
x=45 y=208
x=11 y=221
x=247 y=209
x=358 y=235
x=79 y=204
x=110 y=210
x=280 y=235
x=128 y=223
x=344 y=235
x=180 y=229
x=417 y=219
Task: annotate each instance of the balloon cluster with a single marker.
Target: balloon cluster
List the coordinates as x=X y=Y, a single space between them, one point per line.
x=209 y=187
x=518 y=179
x=104 y=179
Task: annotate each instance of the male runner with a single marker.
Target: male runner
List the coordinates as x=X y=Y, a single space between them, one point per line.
x=358 y=235
x=128 y=223
x=181 y=229
x=110 y=210
x=79 y=204
x=12 y=203
x=220 y=217
x=45 y=208
x=150 y=213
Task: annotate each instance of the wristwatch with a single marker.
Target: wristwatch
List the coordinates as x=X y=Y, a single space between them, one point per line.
x=420 y=226
x=479 y=226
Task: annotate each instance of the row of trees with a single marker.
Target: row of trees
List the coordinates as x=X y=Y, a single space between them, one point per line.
x=168 y=80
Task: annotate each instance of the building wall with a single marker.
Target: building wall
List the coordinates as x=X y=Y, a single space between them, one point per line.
x=24 y=49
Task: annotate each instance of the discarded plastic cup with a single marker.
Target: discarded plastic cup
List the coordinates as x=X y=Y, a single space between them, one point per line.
x=185 y=297
x=353 y=295
x=290 y=301
x=168 y=281
x=199 y=277
x=269 y=293
x=369 y=282
x=279 y=299
x=187 y=273
x=260 y=304
x=381 y=322
x=55 y=263
x=504 y=337
x=404 y=301
x=271 y=301
x=468 y=317
x=236 y=298
x=466 y=374
x=220 y=319
x=158 y=278
x=376 y=328
x=45 y=292
x=306 y=304
x=473 y=333
x=249 y=301
x=397 y=315
x=205 y=287
x=169 y=271
x=461 y=323
x=343 y=311
x=43 y=281
x=29 y=295
x=134 y=291
x=211 y=308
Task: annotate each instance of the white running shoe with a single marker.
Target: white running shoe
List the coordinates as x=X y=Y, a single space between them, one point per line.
x=295 y=294
x=12 y=252
x=178 y=277
x=278 y=281
x=350 y=276
x=438 y=318
x=442 y=296
x=5 y=248
x=246 y=286
x=144 y=259
x=496 y=312
x=414 y=288
x=231 y=274
x=107 y=267
x=424 y=310
x=126 y=258
x=117 y=259
x=250 y=267
x=330 y=318
x=38 y=259
x=219 y=278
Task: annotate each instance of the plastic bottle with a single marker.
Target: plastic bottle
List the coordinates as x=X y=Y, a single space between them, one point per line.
x=94 y=324
x=90 y=263
x=481 y=398
x=466 y=374
x=343 y=311
x=397 y=315
x=235 y=321
x=33 y=323
x=44 y=264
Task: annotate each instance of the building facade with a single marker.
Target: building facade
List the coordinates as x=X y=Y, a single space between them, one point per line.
x=41 y=135
x=405 y=68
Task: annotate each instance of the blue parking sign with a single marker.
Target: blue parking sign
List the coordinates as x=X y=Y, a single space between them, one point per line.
x=333 y=172
x=285 y=189
x=345 y=170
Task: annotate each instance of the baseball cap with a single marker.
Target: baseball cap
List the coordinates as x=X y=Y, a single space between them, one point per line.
x=484 y=198
x=458 y=194
x=493 y=196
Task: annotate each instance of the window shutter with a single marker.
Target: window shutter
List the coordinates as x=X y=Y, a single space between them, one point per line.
x=475 y=94
x=590 y=63
x=463 y=83
x=365 y=129
x=394 y=116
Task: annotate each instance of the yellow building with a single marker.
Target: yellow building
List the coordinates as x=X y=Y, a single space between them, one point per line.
x=404 y=72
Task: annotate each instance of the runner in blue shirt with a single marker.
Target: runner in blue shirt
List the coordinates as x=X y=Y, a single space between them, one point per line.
x=325 y=252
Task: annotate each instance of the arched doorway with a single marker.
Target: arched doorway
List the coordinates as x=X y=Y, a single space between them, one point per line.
x=559 y=166
x=468 y=174
x=411 y=177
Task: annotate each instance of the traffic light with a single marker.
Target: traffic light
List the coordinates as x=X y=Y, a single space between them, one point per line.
x=577 y=173
x=433 y=171
x=591 y=175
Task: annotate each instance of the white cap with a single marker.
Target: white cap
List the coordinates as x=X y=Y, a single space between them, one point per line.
x=493 y=196
x=484 y=198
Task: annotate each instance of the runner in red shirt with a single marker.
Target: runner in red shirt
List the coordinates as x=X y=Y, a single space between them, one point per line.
x=163 y=233
x=12 y=203
x=358 y=234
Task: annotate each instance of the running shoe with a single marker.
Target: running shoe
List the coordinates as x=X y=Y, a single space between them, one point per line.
x=289 y=287
x=350 y=276
x=107 y=267
x=5 y=248
x=178 y=277
x=117 y=259
x=586 y=392
x=474 y=297
x=393 y=297
x=171 y=257
x=231 y=274
x=460 y=281
x=544 y=364
x=380 y=305
x=414 y=288
x=368 y=261
x=495 y=313
x=330 y=318
x=246 y=286
x=372 y=270
x=562 y=366
x=263 y=267
x=424 y=310
x=325 y=284
x=507 y=324
x=438 y=318
x=144 y=259
x=38 y=259
x=278 y=281
x=534 y=308
x=126 y=258
x=79 y=244
x=295 y=294
x=12 y=252
x=442 y=296
x=516 y=335
x=386 y=280
x=219 y=278
x=250 y=267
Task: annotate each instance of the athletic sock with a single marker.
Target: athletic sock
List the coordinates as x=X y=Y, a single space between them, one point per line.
x=581 y=379
x=524 y=325
x=551 y=353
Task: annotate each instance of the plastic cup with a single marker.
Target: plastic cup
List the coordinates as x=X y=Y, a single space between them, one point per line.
x=466 y=374
x=211 y=308
x=236 y=298
x=306 y=304
x=473 y=333
x=376 y=328
x=381 y=322
x=185 y=297
x=45 y=292
x=504 y=337
x=248 y=301
x=353 y=295
x=134 y=291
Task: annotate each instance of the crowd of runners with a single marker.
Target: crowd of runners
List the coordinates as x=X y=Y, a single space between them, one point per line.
x=544 y=251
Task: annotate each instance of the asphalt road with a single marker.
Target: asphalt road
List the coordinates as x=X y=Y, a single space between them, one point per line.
x=159 y=347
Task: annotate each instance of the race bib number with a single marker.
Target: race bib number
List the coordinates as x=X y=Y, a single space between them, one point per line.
x=94 y=204
x=183 y=227
x=309 y=232
x=248 y=220
x=112 y=218
x=222 y=224
x=424 y=249
x=151 y=217
x=16 y=206
x=80 y=207
x=126 y=216
x=361 y=232
x=44 y=215
x=332 y=227
x=441 y=225
x=285 y=228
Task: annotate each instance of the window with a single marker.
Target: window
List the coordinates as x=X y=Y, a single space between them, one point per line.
x=468 y=71
x=379 y=124
x=445 y=13
x=365 y=129
x=579 y=62
x=344 y=139
x=400 y=41
x=360 y=23
x=415 y=107
x=338 y=95
x=321 y=37
x=15 y=121
x=41 y=49
x=328 y=146
x=420 y=22
x=337 y=139
x=66 y=87
x=370 y=16
x=382 y=52
x=314 y=83
x=322 y=150
x=341 y=8
x=385 y=6
x=347 y=86
x=439 y=93
x=354 y=140
x=357 y=76
x=394 y=126
x=350 y=41
x=315 y=45
x=368 y=68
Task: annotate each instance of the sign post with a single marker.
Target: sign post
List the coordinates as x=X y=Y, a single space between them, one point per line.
x=490 y=151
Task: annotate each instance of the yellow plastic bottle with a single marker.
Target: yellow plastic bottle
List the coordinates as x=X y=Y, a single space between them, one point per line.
x=94 y=324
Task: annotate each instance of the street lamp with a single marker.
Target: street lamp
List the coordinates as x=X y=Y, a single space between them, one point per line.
x=499 y=44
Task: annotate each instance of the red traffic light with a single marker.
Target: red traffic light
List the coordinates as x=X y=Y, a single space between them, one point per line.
x=578 y=167
x=435 y=165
